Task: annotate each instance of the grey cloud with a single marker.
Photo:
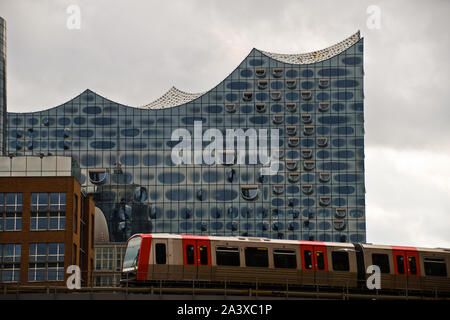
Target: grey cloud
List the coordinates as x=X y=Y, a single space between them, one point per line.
x=133 y=51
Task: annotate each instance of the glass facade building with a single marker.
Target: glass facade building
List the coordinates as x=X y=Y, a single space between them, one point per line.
x=108 y=264
x=311 y=104
x=3 y=109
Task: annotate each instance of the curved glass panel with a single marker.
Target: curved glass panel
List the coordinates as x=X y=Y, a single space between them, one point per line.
x=249 y=193
x=97 y=176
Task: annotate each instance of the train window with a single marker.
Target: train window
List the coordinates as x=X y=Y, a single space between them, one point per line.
x=284 y=259
x=160 y=250
x=340 y=261
x=382 y=261
x=132 y=253
x=320 y=260
x=400 y=264
x=435 y=267
x=227 y=256
x=256 y=257
x=307 y=259
x=190 y=256
x=203 y=255
x=412 y=265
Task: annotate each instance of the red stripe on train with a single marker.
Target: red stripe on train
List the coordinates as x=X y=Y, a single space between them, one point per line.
x=311 y=243
x=144 y=257
x=193 y=237
x=404 y=248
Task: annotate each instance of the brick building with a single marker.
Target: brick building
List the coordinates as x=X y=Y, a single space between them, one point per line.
x=46 y=221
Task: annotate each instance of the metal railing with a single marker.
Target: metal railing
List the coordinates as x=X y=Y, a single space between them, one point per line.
x=221 y=287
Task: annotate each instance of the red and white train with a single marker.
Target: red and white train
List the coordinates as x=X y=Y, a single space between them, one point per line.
x=178 y=258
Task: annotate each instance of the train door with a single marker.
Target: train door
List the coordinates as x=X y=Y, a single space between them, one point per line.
x=406 y=265
x=160 y=259
x=321 y=265
x=203 y=259
x=189 y=259
x=196 y=259
x=314 y=264
x=307 y=259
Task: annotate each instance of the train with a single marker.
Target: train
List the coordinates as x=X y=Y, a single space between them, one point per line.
x=170 y=258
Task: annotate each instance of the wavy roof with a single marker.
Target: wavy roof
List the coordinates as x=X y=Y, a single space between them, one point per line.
x=172 y=98
x=175 y=97
x=315 y=56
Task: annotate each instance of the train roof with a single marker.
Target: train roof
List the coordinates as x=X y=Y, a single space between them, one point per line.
x=392 y=247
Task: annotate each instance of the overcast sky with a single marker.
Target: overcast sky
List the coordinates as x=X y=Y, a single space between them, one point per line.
x=134 y=51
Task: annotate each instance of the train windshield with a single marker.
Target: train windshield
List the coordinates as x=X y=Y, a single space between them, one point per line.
x=132 y=253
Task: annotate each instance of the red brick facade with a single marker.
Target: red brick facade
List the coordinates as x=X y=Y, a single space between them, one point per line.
x=79 y=224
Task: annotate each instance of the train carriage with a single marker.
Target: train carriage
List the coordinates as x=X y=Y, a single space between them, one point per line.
x=210 y=259
x=435 y=269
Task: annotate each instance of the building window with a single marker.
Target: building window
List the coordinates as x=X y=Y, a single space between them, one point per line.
x=75 y=213
x=324 y=106
x=120 y=252
x=46 y=262
x=324 y=83
x=109 y=258
x=262 y=84
x=107 y=281
x=291 y=106
x=293 y=177
x=230 y=107
x=308 y=130
x=91 y=225
x=104 y=258
x=97 y=176
x=277 y=72
x=340 y=213
x=260 y=107
x=247 y=96
x=250 y=192
x=278 y=189
x=260 y=72
x=10 y=211
x=10 y=254
x=291 y=84
x=324 y=176
x=291 y=130
x=48 y=211
x=306 y=95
